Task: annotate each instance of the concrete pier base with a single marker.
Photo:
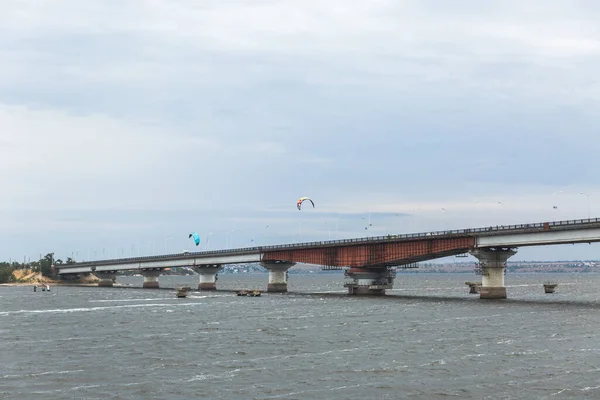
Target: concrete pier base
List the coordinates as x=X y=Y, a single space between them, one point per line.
x=151 y=278
x=107 y=278
x=473 y=287
x=369 y=281
x=550 y=287
x=276 y=287
x=492 y=292
x=208 y=276
x=493 y=264
x=105 y=283
x=278 y=276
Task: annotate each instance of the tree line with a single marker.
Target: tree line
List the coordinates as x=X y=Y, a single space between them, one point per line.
x=43 y=265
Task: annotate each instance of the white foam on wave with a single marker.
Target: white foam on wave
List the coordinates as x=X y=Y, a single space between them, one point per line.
x=37 y=374
x=329 y=389
x=589 y=388
x=434 y=362
x=90 y=309
x=123 y=300
x=300 y=355
x=203 y=377
x=75 y=388
x=134 y=299
x=506 y=341
x=473 y=355
x=332 y=291
x=63 y=339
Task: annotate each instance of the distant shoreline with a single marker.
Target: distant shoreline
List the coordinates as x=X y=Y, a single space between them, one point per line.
x=54 y=283
x=408 y=271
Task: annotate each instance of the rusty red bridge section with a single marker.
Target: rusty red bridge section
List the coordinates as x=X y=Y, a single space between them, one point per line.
x=374 y=254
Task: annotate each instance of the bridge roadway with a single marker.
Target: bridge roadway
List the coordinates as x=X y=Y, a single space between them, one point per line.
x=368 y=261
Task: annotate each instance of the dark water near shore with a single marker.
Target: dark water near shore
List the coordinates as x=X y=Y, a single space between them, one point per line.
x=427 y=339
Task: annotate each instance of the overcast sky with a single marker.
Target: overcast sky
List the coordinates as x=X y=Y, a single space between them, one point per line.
x=127 y=124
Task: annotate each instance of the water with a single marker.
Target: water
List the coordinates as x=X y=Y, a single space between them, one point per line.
x=428 y=339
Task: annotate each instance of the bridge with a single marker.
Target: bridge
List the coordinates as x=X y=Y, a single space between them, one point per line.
x=370 y=263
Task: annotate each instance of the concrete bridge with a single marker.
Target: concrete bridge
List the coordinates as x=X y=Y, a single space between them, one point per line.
x=369 y=263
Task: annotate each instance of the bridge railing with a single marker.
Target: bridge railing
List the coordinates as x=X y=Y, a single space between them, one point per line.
x=460 y=232
x=498 y=229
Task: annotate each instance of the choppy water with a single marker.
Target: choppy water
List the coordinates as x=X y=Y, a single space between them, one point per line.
x=427 y=339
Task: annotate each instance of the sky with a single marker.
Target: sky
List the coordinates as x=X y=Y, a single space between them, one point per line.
x=125 y=125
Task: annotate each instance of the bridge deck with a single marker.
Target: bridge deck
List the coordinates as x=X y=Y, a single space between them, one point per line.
x=462 y=239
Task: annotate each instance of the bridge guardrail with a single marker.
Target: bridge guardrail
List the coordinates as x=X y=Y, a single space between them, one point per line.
x=259 y=249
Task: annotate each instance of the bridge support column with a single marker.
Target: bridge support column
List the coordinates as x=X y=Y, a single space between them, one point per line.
x=278 y=277
x=493 y=264
x=208 y=276
x=151 y=277
x=107 y=278
x=369 y=281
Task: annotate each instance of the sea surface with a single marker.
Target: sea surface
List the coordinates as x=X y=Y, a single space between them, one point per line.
x=427 y=339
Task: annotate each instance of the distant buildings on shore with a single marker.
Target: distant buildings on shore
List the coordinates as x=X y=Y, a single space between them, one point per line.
x=515 y=266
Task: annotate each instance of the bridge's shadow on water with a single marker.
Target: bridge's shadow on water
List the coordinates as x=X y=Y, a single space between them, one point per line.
x=437 y=299
x=571 y=304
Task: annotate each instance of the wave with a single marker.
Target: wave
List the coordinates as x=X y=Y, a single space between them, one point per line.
x=35 y=375
x=90 y=309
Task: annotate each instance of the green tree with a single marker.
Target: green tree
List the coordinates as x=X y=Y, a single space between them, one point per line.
x=34 y=266
x=6 y=271
x=17 y=265
x=45 y=264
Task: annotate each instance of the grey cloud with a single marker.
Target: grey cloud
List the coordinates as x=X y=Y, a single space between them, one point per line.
x=255 y=104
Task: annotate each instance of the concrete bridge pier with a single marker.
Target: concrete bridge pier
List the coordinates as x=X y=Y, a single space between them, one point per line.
x=107 y=278
x=369 y=281
x=208 y=276
x=151 y=277
x=493 y=264
x=278 y=277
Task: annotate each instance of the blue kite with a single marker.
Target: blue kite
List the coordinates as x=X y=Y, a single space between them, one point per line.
x=196 y=238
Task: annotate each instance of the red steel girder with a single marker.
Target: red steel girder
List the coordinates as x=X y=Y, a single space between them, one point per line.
x=374 y=254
